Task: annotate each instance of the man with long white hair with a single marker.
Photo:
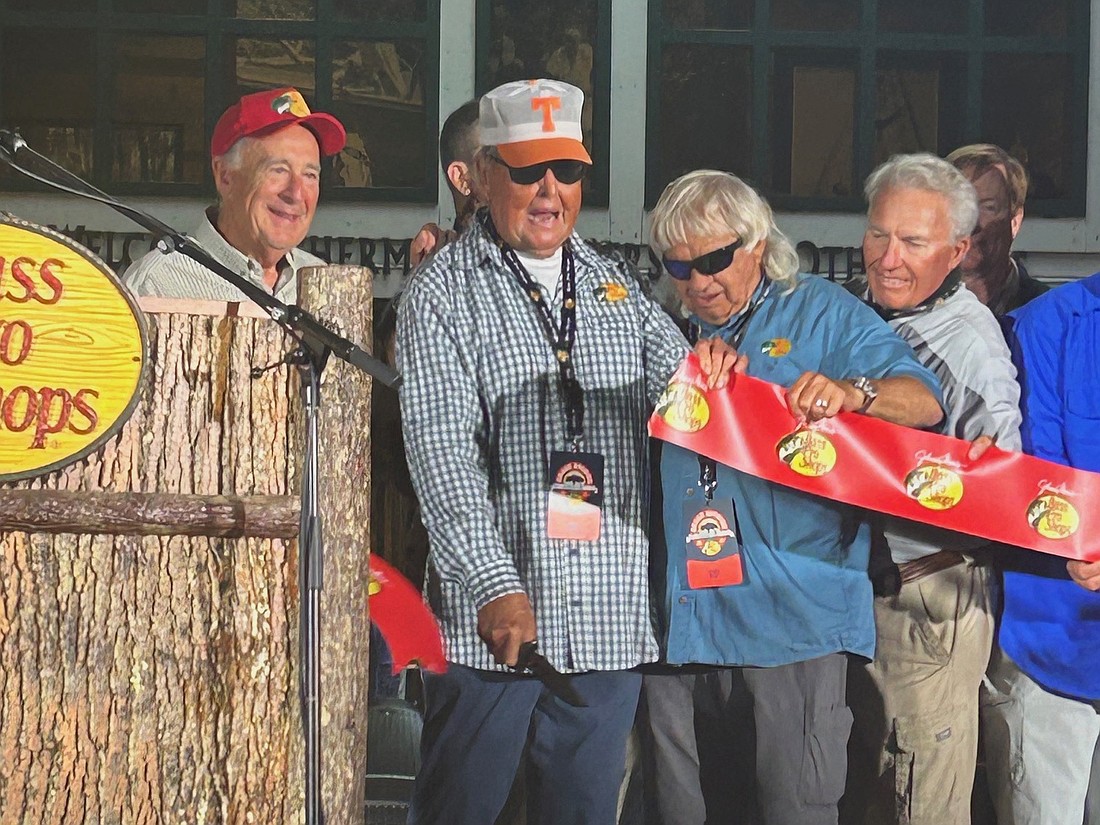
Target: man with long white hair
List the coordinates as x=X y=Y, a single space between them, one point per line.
x=756 y=644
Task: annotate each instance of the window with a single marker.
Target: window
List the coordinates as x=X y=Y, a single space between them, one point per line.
x=803 y=98
x=126 y=92
x=561 y=39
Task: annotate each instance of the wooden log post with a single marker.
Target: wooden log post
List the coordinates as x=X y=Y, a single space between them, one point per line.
x=342 y=298
x=148 y=677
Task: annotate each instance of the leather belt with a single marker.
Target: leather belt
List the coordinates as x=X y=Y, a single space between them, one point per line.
x=912 y=571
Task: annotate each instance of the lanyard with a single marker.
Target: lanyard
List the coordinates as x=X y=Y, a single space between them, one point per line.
x=563 y=336
x=735 y=334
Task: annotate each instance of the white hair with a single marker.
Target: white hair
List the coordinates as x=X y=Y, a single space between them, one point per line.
x=931 y=174
x=233 y=157
x=708 y=203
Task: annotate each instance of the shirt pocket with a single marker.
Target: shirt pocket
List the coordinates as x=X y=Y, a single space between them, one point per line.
x=1082 y=412
x=1080 y=353
x=608 y=352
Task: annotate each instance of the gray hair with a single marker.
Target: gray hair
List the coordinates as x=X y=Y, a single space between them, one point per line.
x=233 y=157
x=709 y=203
x=931 y=174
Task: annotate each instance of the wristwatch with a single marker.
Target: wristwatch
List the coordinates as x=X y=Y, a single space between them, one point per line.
x=864 y=385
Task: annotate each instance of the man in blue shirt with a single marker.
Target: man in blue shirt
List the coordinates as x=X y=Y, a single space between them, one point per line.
x=1043 y=713
x=763 y=633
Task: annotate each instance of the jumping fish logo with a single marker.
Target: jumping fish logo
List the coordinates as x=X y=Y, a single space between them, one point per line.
x=807 y=452
x=290 y=101
x=683 y=407
x=1051 y=515
x=776 y=347
x=934 y=486
x=611 y=292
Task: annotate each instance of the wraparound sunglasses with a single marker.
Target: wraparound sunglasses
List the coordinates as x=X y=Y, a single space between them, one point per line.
x=565 y=171
x=709 y=264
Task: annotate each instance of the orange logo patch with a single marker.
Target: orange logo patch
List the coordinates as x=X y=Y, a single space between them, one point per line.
x=776 y=347
x=292 y=102
x=611 y=292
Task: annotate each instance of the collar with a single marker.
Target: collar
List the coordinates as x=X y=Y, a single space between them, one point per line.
x=948 y=288
x=735 y=321
x=212 y=241
x=483 y=235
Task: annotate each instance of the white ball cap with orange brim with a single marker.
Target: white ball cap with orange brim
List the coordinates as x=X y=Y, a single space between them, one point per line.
x=534 y=121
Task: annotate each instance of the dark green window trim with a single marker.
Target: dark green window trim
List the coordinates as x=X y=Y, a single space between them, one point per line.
x=215 y=27
x=863 y=46
x=601 y=113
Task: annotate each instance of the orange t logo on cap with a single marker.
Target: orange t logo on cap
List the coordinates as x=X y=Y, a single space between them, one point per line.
x=547 y=104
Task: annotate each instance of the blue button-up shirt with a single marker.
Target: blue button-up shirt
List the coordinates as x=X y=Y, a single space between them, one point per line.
x=806 y=591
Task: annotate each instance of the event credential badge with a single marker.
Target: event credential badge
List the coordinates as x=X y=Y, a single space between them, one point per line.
x=713 y=546
x=576 y=496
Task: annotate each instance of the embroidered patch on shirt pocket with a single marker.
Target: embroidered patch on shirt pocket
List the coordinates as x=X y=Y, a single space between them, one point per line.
x=610 y=292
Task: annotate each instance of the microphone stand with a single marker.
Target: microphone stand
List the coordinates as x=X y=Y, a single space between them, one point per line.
x=315 y=342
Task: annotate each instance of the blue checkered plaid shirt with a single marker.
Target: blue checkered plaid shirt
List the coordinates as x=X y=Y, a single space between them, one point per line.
x=482 y=409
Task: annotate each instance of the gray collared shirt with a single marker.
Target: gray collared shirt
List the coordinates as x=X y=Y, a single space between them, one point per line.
x=482 y=409
x=177 y=276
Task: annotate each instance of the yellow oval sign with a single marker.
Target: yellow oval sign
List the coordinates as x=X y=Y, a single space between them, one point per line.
x=72 y=351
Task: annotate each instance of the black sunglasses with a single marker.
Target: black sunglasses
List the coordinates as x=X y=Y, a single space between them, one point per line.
x=565 y=171
x=709 y=264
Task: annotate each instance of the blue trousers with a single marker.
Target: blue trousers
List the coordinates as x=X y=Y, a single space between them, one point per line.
x=476 y=725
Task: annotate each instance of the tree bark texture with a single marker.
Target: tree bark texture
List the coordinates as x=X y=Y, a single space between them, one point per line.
x=153 y=679
x=148 y=514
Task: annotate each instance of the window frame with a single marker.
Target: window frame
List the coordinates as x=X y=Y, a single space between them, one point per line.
x=866 y=43
x=601 y=84
x=215 y=27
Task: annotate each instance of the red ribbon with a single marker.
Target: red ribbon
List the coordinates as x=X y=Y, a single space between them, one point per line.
x=405 y=622
x=1003 y=496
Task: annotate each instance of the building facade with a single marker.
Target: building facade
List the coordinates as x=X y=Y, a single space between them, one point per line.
x=801 y=97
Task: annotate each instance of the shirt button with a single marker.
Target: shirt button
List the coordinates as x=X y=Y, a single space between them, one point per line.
x=690 y=491
x=683 y=600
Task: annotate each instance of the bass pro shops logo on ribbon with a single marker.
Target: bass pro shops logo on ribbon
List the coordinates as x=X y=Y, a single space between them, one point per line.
x=935 y=483
x=684 y=407
x=1004 y=497
x=807 y=452
x=1051 y=515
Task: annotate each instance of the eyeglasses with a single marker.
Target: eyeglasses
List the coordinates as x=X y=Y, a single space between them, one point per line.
x=709 y=264
x=565 y=171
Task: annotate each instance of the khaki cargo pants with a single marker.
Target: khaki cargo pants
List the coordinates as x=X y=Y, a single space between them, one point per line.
x=915 y=737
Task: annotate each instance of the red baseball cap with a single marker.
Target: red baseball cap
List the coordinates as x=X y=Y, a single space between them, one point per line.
x=261 y=113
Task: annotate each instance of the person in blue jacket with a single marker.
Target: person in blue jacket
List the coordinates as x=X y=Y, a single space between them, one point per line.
x=1042 y=712
x=757 y=623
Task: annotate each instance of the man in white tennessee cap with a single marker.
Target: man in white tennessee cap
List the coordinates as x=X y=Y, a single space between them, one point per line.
x=531 y=364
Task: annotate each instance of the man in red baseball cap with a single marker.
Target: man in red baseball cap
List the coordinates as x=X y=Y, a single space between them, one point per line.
x=266 y=155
